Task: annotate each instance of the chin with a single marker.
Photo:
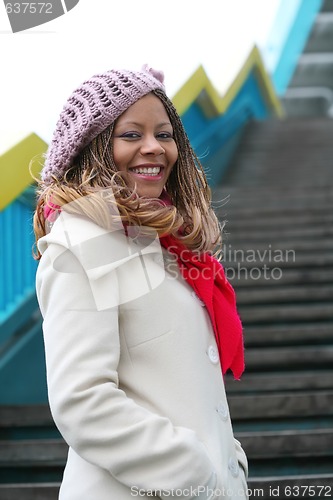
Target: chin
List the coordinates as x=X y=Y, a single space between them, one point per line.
x=149 y=192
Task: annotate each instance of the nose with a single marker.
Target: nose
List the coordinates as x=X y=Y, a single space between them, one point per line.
x=150 y=145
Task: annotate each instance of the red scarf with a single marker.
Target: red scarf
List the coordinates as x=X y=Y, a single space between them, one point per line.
x=212 y=287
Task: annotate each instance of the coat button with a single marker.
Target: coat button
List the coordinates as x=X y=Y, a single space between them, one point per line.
x=233 y=466
x=213 y=354
x=222 y=410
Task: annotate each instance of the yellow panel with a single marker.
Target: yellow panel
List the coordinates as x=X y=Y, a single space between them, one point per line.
x=15 y=175
x=14 y=164
x=200 y=89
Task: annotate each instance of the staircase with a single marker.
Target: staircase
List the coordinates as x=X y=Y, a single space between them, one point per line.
x=278 y=254
x=32 y=454
x=310 y=91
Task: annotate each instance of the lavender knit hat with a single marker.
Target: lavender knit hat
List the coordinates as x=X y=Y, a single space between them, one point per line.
x=90 y=109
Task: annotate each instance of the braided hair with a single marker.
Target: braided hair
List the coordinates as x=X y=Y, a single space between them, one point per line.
x=94 y=175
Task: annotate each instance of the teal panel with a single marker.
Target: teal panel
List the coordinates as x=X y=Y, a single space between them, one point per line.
x=21 y=314
x=22 y=369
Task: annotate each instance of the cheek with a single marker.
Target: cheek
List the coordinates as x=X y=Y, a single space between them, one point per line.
x=173 y=156
x=120 y=155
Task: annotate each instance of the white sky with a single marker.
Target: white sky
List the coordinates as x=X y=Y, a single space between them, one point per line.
x=42 y=66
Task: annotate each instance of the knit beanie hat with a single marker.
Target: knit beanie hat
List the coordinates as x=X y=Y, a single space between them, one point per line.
x=91 y=108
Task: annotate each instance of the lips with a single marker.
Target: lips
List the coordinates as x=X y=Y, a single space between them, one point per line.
x=153 y=171
x=146 y=170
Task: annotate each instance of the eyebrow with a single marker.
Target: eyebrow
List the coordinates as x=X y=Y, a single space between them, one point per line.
x=137 y=124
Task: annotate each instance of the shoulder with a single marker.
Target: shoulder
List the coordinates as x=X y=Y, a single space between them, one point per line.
x=75 y=254
x=71 y=231
x=97 y=249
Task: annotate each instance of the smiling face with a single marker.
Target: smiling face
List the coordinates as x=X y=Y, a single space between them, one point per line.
x=144 y=147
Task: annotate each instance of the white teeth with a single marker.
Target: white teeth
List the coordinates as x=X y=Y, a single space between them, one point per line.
x=147 y=170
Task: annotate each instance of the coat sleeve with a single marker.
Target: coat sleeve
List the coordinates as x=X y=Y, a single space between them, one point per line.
x=95 y=417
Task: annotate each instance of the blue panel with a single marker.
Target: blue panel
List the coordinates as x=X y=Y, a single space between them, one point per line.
x=216 y=163
x=17 y=265
x=22 y=370
x=210 y=136
x=194 y=120
x=249 y=101
x=279 y=32
x=22 y=363
x=295 y=43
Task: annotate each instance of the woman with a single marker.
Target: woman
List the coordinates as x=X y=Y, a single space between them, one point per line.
x=139 y=321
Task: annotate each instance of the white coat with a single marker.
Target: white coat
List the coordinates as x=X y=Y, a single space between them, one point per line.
x=134 y=379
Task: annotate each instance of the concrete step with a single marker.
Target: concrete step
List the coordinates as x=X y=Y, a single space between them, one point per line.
x=257 y=277
x=33 y=452
x=260 y=179
x=287 y=259
x=281 y=381
x=287 y=443
x=307 y=102
x=267 y=406
x=274 y=276
x=30 y=491
x=286 y=294
x=226 y=192
x=46 y=472
x=282 y=165
x=19 y=422
x=257 y=199
x=281 y=191
x=292 y=334
x=294 y=132
x=275 y=358
x=273 y=234
x=315 y=486
x=33 y=460
x=26 y=416
x=327 y=6
x=256 y=218
x=300 y=247
x=286 y=313
x=267 y=220
x=293 y=152
x=321 y=36
x=274 y=204
x=282 y=171
x=314 y=70
x=285 y=424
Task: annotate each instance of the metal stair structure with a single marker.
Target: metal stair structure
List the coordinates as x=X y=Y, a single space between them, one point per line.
x=278 y=254
x=310 y=91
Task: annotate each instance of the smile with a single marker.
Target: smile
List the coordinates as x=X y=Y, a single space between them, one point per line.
x=152 y=171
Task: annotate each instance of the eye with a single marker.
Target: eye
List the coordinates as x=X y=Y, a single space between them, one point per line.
x=130 y=135
x=165 y=135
